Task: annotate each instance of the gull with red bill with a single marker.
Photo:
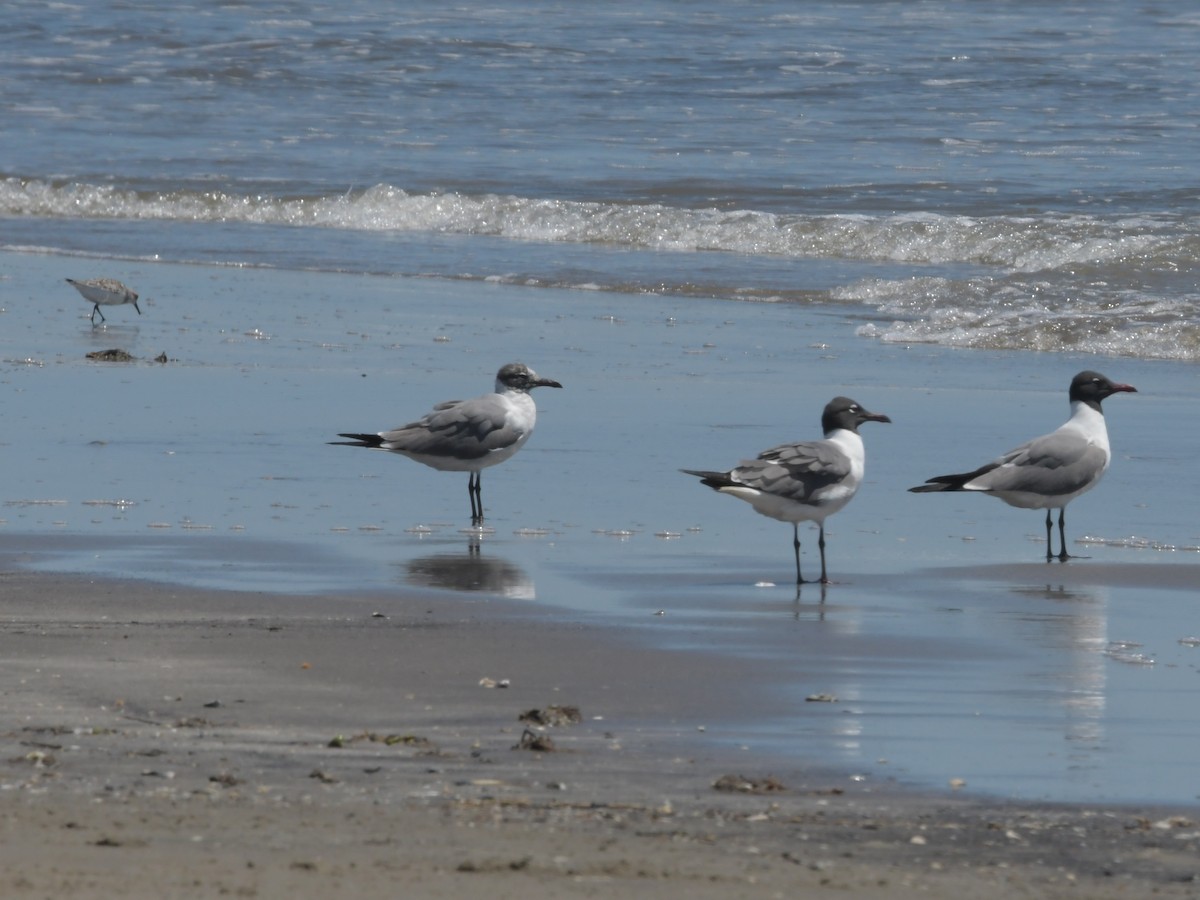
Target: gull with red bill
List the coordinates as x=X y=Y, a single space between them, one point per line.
x=1049 y=471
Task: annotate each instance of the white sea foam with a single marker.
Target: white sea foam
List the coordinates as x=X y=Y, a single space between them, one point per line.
x=1024 y=244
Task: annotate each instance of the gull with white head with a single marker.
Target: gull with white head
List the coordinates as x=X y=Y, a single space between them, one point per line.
x=467 y=435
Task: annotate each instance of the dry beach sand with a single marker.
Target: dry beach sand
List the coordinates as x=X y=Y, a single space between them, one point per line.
x=167 y=742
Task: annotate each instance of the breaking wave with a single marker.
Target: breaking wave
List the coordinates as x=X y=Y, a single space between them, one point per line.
x=1019 y=243
x=1124 y=285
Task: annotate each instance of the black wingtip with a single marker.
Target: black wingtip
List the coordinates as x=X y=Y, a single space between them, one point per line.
x=714 y=480
x=371 y=441
x=941 y=483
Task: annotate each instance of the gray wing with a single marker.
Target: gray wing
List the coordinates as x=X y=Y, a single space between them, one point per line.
x=1056 y=463
x=465 y=429
x=795 y=471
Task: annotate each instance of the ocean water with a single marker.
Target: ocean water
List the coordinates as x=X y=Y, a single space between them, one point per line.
x=705 y=220
x=1015 y=175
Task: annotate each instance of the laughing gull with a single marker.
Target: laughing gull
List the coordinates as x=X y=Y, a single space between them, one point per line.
x=1052 y=470
x=104 y=292
x=468 y=435
x=803 y=482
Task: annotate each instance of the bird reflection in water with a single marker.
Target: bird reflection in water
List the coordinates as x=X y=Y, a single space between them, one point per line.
x=470 y=571
x=1071 y=635
x=814 y=611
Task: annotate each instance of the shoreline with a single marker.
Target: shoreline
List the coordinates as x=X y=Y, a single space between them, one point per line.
x=180 y=736
x=332 y=743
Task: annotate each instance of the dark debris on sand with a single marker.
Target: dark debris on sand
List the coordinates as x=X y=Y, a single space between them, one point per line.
x=114 y=355
x=744 y=785
x=552 y=716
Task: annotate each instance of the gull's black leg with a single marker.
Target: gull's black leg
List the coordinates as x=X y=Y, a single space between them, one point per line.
x=796 y=548
x=474 y=490
x=821 y=544
x=824 y=579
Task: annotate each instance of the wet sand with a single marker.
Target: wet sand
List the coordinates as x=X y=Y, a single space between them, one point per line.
x=168 y=742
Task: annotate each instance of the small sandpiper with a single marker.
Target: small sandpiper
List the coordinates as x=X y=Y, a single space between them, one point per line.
x=104 y=292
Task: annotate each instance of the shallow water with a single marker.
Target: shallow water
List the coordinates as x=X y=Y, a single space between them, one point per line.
x=952 y=652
